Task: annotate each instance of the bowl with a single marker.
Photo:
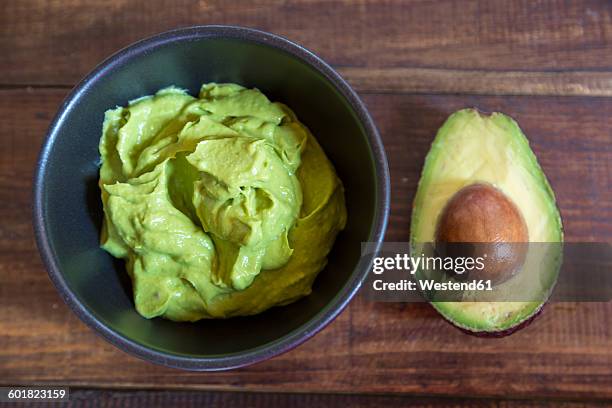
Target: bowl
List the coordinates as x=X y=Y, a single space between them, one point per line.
x=68 y=212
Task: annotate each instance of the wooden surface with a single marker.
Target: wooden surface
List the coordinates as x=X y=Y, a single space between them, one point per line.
x=548 y=64
x=163 y=399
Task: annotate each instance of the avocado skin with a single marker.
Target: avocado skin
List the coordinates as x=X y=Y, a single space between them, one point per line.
x=519 y=142
x=495 y=334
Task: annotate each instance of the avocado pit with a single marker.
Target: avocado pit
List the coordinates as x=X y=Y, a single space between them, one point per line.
x=490 y=225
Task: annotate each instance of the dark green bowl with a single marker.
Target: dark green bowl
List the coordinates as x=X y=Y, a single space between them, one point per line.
x=68 y=211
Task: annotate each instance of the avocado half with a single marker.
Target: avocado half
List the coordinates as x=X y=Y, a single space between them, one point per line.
x=472 y=148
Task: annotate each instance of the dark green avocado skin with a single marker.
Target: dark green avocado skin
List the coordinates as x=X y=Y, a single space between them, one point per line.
x=496 y=334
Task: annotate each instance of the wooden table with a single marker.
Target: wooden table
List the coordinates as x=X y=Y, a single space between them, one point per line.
x=546 y=63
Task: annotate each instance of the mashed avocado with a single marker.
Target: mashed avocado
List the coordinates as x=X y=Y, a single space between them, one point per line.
x=221 y=205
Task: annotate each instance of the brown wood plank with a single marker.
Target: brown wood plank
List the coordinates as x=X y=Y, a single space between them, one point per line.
x=152 y=399
x=446 y=81
x=371 y=347
x=57 y=42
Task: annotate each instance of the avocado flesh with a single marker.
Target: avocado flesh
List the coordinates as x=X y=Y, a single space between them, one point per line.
x=472 y=148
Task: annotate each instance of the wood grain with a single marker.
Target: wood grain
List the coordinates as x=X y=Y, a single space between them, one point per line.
x=153 y=399
x=446 y=81
x=540 y=47
x=371 y=347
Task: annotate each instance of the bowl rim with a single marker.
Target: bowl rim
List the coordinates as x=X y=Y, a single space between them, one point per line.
x=275 y=347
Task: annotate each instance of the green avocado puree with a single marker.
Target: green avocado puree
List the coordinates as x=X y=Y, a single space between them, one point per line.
x=221 y=205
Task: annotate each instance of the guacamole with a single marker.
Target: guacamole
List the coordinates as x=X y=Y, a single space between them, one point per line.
x=221 y=205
